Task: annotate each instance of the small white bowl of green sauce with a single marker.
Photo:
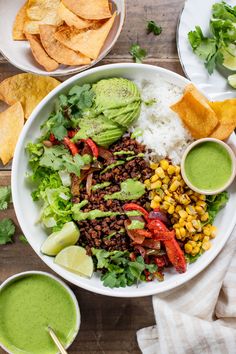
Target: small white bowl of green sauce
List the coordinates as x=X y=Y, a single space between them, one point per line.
x=29 y=303
x=208 y=166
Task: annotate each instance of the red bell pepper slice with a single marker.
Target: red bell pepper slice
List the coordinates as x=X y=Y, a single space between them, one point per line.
x=163 y=236
x=133 y=206
x=92 y=146
x=72 y=147
x=160 y=262
x=141 y=232
x=157 y=225
x=71 y=133
x=176 y=255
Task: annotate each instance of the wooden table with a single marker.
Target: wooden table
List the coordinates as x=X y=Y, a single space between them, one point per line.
x=109 y=325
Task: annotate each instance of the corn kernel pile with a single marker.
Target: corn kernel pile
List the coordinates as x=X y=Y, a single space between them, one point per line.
x=186 y=208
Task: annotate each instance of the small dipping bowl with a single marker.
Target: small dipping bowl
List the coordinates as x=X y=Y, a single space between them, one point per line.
x=11 y=347
x=195 y=166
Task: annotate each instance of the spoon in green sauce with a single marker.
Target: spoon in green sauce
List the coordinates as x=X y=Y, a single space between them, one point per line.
x=56 y=340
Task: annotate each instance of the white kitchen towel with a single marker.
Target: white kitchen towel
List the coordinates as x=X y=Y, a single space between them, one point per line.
x=198 y=317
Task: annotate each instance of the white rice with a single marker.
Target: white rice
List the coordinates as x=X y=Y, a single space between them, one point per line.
x=162 y=129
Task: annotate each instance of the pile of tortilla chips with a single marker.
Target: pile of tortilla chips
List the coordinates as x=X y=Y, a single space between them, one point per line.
x=69 y=32
x=204 y=118
x=22 y=92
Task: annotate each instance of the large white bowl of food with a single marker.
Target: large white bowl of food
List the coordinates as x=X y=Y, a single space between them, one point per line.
x=97 y=184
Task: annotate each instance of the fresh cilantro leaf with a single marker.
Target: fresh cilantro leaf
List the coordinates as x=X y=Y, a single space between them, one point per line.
x=5 y=197
x=7 y=230
x=23 y=239
x=137 y=53
x=154 y=28
x=81 y=96
x=53 y=157
x=224 y=11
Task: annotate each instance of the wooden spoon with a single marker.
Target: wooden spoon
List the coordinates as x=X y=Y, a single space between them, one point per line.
x=56 y=341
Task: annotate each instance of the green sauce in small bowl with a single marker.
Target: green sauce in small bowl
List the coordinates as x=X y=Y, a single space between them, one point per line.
x=28 y=305
x=208 y=166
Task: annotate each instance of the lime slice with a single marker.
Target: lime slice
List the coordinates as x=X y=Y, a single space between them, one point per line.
x=232 y=80
x=75 y=259
x=67 y=236
x=229 y=60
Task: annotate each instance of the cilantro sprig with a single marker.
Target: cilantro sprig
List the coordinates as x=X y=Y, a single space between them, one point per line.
x=137 y=53
x=7 y=230
x=5 y=197
x=152 y=27
x=118 y=270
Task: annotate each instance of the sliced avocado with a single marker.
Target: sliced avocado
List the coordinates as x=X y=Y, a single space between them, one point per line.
x=115 y=93
x=127 y=119
x=107 y=138
x=114 y=112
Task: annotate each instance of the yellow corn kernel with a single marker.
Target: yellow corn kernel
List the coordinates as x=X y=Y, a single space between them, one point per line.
x=157 y=198
x=147 y=182
x=202 y=197
x=154 y=178
x=207 y=230
x=189 y=192
x=183 y=214
x=206 y=239
x=188 y=248
x=171 y=170
x=174 y=186
x=190 y=227
x=206 y=245
x=154 y=204
x=178 y=208
x=164 y=164
x=166 y=205
x=194 y=198
x=190 y=218
x=192 y=243
x=177 y=234
x=165 y=186
x=171 y=209
x=197 y=225
x=166 y=180
x=190 y=210
x=184 y=199
x=196 y=237
x=202 y=203
x=168 y=199
x=160 y=172
x=166 y=191
x=155 y=185
x=182 y=232
x=213 y=231
x=205 y=217
x=195 y=251
x=154 y=165
x=182 y=183
x=176 y=215
x=176 y=226
x=177 y=170
x=200 y=236
x=199 y=210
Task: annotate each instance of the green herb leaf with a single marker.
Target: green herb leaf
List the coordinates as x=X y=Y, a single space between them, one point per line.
x=7 y=230
x=215 y=203
x=5 y=197
x=154 y=28
x=137 y=53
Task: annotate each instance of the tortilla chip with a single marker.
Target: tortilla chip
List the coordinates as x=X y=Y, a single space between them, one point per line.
x=41 y=12
x=196 y=113
x=39 y=53
x=11 y=124
x=71 y=19
x=88 y=42
x=226 y=113
x=29 y=89
x=57 y=50
x=18 y=26
x=89 y=9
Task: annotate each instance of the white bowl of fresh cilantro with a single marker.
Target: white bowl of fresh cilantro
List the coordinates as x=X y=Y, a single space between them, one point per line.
x=29 y=213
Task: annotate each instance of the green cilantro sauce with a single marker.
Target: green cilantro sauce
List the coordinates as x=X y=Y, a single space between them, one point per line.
x=208 y=166
x=130 y=189
x=27 y=307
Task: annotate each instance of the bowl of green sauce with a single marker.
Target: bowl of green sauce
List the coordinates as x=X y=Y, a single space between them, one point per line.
x=208 y=166
x=29 y=303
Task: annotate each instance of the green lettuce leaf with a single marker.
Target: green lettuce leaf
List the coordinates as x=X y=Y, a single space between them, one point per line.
x=215 y=203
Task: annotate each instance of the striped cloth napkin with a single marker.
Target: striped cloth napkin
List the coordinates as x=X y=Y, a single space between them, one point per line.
x=199 y=317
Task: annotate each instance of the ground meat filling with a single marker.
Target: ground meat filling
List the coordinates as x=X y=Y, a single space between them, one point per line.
x=108 y=233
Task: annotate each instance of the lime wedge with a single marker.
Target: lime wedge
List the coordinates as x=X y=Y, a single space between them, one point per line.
x=67 y=236
x=75 y=259
x=229 y=60
x=232 y=80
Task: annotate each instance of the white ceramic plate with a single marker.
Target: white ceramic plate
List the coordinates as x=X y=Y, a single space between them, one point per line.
x=198 y=12
x=28 y=212
x=19 y=54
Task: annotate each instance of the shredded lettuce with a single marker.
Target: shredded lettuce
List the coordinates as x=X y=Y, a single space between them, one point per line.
x=215 y=203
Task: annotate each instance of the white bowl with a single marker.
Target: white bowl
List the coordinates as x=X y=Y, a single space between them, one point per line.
x=70 y=292
x=27 y=211
x=232 y=157
x=19 y=54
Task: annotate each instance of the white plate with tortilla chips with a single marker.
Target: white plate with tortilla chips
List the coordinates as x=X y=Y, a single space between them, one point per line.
x=63 y=37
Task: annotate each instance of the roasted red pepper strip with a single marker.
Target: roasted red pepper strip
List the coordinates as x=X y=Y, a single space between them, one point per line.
x=141 y=232
x=163 y=236
x=73 y=148
x=92 y=146
x=52 y=138
x=71 y=133
x=160 y=262
x=133 y=206
x=173 y=250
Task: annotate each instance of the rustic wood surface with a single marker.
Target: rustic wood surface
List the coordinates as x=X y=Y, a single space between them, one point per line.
x=109 y=325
